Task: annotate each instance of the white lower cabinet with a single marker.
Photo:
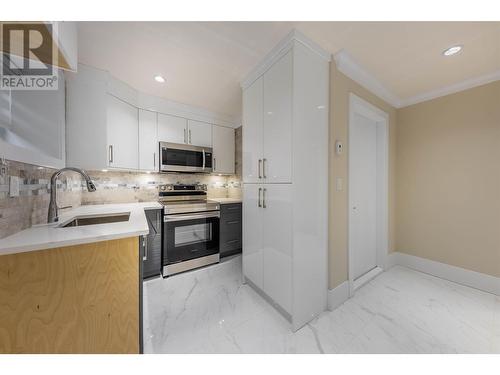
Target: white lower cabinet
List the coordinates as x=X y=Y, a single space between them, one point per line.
x=267 y=240
x=253 y=248
x=277 y=243
x=122 y=134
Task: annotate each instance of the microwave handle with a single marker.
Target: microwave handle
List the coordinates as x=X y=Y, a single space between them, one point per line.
x=203 y=158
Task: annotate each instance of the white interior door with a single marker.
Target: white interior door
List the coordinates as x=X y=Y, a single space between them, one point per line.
x=363 y=194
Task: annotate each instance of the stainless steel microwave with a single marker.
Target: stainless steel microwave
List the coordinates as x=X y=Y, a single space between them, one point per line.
x=177 y=157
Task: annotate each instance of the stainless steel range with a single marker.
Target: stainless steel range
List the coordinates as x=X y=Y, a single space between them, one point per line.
x=190 y=228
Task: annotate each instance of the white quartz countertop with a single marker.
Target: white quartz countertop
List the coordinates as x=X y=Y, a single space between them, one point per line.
x=46 y=236
x=226 y=200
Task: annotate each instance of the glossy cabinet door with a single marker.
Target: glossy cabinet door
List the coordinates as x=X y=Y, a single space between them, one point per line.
x=277 y=240
x=252 y=235
x=277 y=163
x=252 y=130
x=172 y=129
x=148 y=141
x=122 y=134
x=199 y=133
x=223 y=149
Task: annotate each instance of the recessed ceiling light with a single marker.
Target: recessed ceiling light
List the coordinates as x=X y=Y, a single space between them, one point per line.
x=452 y=50
x=159 y=78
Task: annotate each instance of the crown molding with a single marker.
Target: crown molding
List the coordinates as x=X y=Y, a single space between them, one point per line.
x=348 y=66
x=451 y=89
x=278 y=51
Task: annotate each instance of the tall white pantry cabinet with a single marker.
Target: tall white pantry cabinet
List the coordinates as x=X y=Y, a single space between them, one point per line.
x=285 y=178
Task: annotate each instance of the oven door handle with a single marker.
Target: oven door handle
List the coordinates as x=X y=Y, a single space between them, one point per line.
x=182 y=217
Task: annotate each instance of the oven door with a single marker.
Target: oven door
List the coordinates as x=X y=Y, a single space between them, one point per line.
x=185 y=158
x=190 y=236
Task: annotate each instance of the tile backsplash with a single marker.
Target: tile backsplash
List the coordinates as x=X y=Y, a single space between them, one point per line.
x=31 y=206
x=123 y=187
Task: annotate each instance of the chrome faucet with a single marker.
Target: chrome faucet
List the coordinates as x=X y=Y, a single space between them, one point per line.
x=52 y=216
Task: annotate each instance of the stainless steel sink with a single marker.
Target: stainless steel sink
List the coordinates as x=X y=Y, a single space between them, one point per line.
x=79 y=221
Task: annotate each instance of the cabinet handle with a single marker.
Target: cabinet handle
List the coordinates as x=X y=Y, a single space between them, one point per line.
x=233 y=241
x=154 y=160
x=233 y=208
x=260 y=165
x=110 y=153
x=232 y=222
x=190 y=136
x=185 y=140
x=215 y=164
x=264 y=168
x=260 y=190
x=145 y=244
x=264 y=198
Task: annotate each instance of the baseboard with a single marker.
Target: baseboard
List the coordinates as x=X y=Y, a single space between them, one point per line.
x=477 y=280
x=390 y=261
x=366 y=278
x=338 y=295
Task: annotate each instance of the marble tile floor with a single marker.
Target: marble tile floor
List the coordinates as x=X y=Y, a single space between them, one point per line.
x=400 y=311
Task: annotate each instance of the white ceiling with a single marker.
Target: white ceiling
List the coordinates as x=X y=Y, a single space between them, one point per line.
x=204 y=62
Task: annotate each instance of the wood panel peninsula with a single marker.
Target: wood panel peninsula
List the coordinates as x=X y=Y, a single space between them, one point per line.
x=72 y=287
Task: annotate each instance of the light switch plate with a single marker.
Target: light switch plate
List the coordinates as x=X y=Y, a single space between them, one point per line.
x=338 y=184
x=14 y=186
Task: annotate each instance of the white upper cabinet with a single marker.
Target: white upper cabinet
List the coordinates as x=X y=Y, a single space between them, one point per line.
x=172 y=129
x=267 y=125
x=223 y=149
x=253 y=101
x=277 y=158
x=199 y=133
x=148 y=141
x=32 y=125
x=122 y=134
x=111 y=125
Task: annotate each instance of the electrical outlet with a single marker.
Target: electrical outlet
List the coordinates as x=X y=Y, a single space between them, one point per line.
x=4 y=168
x=14 y=186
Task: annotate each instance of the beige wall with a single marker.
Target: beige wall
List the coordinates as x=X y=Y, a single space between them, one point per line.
x=448 y=179
x=340 y=87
